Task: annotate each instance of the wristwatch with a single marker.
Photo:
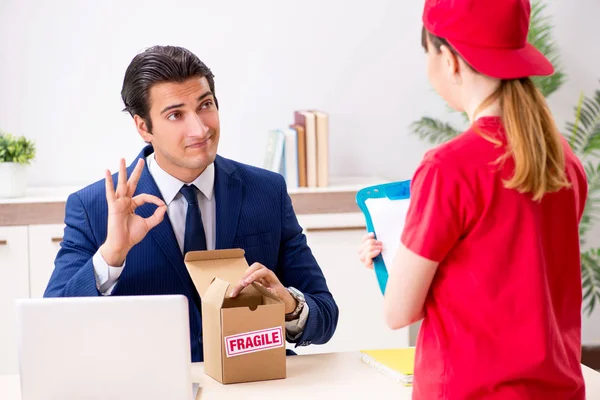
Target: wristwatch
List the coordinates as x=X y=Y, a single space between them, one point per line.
x=299 y=297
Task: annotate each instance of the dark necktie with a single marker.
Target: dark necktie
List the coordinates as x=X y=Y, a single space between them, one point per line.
x=195 y=238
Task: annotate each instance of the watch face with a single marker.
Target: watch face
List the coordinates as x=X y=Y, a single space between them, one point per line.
x=296 y=293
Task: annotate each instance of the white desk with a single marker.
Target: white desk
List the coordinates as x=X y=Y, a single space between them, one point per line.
x=323 y=376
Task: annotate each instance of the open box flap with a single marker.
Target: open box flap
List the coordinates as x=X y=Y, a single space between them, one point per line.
x=216 y=292
x=205 y=266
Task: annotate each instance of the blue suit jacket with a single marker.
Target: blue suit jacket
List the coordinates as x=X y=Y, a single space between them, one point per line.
x=254 y=212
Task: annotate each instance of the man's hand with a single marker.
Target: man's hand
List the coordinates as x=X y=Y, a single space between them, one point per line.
x=125 y=227
x=263 y=275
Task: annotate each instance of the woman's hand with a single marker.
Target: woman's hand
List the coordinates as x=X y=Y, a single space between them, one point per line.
x=369 y=249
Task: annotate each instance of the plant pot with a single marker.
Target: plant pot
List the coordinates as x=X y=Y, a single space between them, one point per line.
x=13 y=179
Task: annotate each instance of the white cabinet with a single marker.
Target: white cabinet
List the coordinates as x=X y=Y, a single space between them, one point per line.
x=334 y=241
x=14 y=284
x=26 y=262
x=44 y=243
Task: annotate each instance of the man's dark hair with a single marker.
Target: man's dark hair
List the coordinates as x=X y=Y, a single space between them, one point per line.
x=159 y=64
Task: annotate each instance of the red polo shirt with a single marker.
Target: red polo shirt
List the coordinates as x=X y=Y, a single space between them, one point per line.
x=503 y=314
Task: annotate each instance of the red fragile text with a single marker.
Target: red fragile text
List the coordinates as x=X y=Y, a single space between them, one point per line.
x=251 y=342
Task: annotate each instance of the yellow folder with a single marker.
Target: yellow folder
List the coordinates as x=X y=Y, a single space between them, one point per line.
x=398 y=364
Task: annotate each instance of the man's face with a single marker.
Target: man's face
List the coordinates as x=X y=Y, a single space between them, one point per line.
x=185 y=127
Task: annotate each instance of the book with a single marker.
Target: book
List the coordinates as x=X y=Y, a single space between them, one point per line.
x=308 y=121
x=301 y=136
x=290 y=158
x=397 y=364
x=322 y=138
x=273 y=160
x=300 y=152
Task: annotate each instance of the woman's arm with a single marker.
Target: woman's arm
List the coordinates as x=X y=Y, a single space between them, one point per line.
x=408 y=284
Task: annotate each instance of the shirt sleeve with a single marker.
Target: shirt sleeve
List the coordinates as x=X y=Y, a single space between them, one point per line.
x=107 y=276
x=433 y=223
x=295 y=328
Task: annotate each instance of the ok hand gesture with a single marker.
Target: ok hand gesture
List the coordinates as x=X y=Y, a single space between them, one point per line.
x=125 y=227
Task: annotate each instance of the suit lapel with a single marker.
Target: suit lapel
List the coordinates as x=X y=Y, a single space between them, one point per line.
x=228 y=196
x=162 y=233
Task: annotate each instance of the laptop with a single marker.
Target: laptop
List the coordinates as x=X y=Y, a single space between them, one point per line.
x=122 y=347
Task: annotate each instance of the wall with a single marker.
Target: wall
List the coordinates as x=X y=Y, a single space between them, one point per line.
x=62 y=65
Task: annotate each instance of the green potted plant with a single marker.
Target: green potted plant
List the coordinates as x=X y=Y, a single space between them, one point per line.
x=16 y=154
x=583 y=135
x=584 y=138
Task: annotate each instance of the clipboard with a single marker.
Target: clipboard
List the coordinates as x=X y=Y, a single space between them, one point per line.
x=385 y=207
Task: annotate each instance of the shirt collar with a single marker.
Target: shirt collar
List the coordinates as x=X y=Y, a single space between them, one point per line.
x=169 y=186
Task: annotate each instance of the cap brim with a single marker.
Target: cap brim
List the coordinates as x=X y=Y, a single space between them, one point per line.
x=505 y=63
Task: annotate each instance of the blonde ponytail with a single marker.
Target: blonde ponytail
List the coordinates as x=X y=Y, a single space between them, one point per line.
x=533 y=139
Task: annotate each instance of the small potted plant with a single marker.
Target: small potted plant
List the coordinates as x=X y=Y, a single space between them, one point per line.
x=15 y=155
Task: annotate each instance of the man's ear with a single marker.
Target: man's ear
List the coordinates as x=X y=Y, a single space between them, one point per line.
x=142 y=128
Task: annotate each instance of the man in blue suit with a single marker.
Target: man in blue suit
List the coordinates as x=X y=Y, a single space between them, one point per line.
x=130 y=237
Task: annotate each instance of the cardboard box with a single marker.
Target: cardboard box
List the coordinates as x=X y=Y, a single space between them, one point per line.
x=243 y=338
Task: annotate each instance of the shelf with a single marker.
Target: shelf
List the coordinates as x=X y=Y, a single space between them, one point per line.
x=346 y=184
x=49 y=194
x=45 y=205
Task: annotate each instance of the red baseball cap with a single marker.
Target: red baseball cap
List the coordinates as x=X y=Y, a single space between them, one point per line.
x=489 y=35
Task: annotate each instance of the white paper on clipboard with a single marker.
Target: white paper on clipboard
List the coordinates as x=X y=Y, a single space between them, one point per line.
x=388 y=217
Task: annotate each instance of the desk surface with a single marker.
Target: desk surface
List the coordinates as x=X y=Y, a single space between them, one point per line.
x=323 y=376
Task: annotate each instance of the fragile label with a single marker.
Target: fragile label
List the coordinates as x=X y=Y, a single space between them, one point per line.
x=250 y=342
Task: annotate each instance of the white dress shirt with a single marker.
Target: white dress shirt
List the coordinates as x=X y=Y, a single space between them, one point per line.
x=107 y=276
